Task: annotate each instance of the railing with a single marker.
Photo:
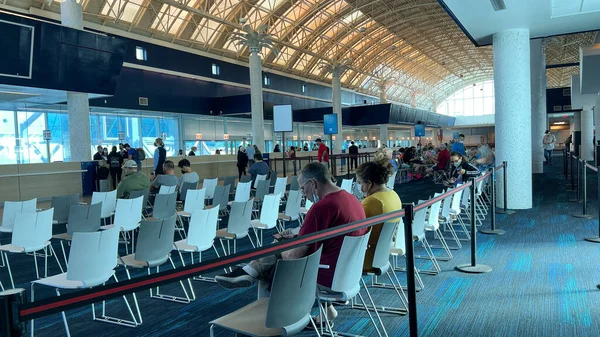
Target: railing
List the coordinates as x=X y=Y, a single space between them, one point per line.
x=299 y=162
x=15 y=312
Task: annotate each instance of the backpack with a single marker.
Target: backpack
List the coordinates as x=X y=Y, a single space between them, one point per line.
x=140 y=154
x=115 y=162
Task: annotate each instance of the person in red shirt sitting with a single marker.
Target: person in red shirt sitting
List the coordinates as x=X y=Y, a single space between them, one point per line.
x=332 y=207
x=443 y=158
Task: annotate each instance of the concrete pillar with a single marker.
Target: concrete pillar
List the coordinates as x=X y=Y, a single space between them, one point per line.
x=382 y=96
x=383 y=134
x=336 y=95
x=538 y=104
x=256 y=100
x=512 y=85
x=587 y=134
x=78 y=105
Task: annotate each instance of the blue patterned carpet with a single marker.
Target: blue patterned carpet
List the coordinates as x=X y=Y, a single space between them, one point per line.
x=543 y=282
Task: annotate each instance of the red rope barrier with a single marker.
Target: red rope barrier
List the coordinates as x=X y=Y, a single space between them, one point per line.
x=442 y=197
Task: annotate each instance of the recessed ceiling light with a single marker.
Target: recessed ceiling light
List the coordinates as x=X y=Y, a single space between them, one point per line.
x=498 y=5
x=362 y=29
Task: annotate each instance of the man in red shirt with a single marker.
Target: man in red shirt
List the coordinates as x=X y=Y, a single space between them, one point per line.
x=442 y=161
x=332 y=207
x=323 y=154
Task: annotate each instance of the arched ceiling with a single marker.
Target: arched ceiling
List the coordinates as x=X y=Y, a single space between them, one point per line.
x=413 y=42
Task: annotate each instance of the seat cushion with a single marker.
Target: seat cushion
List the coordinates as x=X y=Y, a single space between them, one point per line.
x=184 y=214
x=63 y=236
x=130 y=261
x=249 y=320
x=282 y=216
x=60 y=281
x=182 y=246
x=222 y=233
x=257 y=224
x=12 y=249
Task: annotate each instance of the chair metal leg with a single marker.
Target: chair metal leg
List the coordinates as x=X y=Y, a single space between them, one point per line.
x=430 y=256
x=172 y=298
x=12 y=282
x=53 y=252
x=64 y=317
x=32 y=329
x=398 y=289
x=374 y=308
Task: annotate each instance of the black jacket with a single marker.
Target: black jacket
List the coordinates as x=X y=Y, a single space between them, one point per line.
x=353 y=149
x=470 y=171
x=242 y=159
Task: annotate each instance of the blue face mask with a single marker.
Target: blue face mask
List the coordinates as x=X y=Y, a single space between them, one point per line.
x=315 y=198
x=456 y=164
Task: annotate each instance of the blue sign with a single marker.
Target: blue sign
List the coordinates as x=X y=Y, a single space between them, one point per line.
x=419 y=130
x=330 y=126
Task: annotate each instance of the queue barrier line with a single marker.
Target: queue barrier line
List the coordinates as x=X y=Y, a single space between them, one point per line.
x=591 y=167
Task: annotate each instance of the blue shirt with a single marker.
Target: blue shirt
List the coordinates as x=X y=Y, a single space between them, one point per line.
x=459 y=147
x=250 y=152
x=134 y=156
x=258 y=168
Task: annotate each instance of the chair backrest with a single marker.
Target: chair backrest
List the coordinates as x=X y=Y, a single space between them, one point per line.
x=141 y=193
x=479 y=186
x=62 y=204
x=456 y=199
x=155 y=241
x=308 y=204
x=418 y=224
x=128 y=213
x=84 y=218
x=399 y=238
x=11 y=208
x=434 y=213
x=93 y=256
x=186 y=187
x=348 y=269
x=164 y=205
x=239 y=218
x=262 y=189
x=245 y=179
x=229 y=181
x=446 y=203
x=209 y=185
x=347 y=185
x=357 y=192
x=384 y=244
x=166 y=189
x=293 y=293
x=292 y=207
x=280 y=185
x=466 y=196
x=203 y=227
x=221 y=196
x=273 y=178
x=294 y=186
x=242 y=192
x=259 y=177
x=194 y=200
x=392 y=181
x=270 y=210
x=32 y=231
x=109 y=202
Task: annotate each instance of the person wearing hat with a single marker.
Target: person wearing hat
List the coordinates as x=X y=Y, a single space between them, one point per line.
x=132 y=181
x=548 y=141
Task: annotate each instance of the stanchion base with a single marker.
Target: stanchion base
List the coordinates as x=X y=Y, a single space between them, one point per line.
x=575 y=201
x=595 y=239
x=582 y=216
x=492 y=231
x=477 y=269
x=502 y=211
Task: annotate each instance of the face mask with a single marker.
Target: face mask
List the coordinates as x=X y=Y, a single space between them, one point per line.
x=461 y=141
x=457 y=164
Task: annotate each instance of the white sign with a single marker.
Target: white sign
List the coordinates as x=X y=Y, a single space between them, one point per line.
x=282 y=118
x=121 y=135
x=198 y=136
x=47 y=134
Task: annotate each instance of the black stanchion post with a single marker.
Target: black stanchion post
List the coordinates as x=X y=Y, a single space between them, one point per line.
x=596 y=239
x=584 y=215
x=9 y=300
x=505 y=209
x=473 y=267
x=578 y=180
x=493 y=230
x=411 y=291
x=572 y=174
x=565 y=163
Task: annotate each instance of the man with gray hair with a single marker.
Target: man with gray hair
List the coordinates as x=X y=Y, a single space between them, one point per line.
x=133 y=180
x=332 y=207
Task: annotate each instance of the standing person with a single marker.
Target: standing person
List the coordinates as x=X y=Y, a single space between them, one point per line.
x=105 y=153
x=459 y=145
x=568 y=142
x=160 y=156
x=305 y=148
x=353 y=151
x=98 y=154
x=133 y=155
x=277 y=148
x=242 y=161
x=322 y=150
x=250 y=154
x=180 y=153
x=292 y=155
x=132 y=181
x=256 y=150
x=193 y=151
x=115 y=161
x=548 y=141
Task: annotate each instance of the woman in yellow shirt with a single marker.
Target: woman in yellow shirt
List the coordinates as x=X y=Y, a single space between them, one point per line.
x=372 y=177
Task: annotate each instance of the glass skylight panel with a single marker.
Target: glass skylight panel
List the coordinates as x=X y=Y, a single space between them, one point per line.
x=350 y=18
x=271 y=4
x=130 y=9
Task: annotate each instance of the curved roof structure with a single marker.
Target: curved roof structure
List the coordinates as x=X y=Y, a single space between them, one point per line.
x=413 y=44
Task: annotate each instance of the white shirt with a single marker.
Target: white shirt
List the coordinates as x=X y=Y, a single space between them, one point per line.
x=549 y=141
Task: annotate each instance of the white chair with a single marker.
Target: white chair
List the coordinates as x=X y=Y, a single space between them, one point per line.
x=456 y=212
x=242 y=192
x=432 y=224
x=280 y=185
x=10 y=211
x=347 y=185
x=32 y=232
x=201 y=235
x=392 y=181
x=237 y=227
x=268 y=216
x=259 y=177
x=92 y=260
x=292 y=209
x=62 y=205
x=446 y=220
x=304 y=210
x=221 y=198
x=399 y=249
x=194 y=199
x=165 y=189
x=209 y=185
x=418 y=225
x=286 y=311
x=82 y=218
x=128 y=215
x=109 y=203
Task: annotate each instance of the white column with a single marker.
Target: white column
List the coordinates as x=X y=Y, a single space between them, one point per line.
x=538 y=104
x=256 y=100
x=78 y=105
x=383 y=134
x=512 y=85
x=587 y=134
x=382 y=96
x=336 y=93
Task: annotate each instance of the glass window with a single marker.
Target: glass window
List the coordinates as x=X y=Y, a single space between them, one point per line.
x=31 y=146
x=169 y=128
x=215 y=69
x=58 y=124
x=7 y=138
x=267 y=80
x=472 y=100
x=140 y=53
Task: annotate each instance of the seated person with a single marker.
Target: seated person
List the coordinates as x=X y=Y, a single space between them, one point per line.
x=188 y=176
x=484 y=158
x=461 y=170
x=333 y=207
x=132 y=181
x=372 y=177
x=167 y=179
x=259 y=167
x=443 y=158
